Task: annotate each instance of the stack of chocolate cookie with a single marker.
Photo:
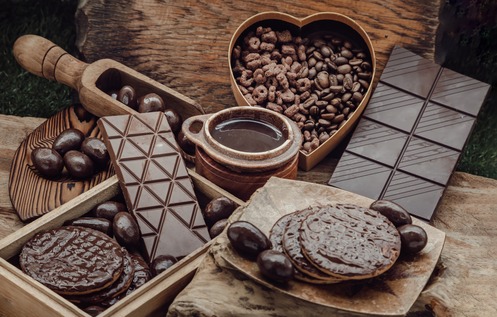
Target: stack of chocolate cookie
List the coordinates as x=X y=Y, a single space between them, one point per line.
x=84 y=265
x=334 y=243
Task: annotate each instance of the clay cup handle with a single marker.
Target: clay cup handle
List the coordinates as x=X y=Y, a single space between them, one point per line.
x=45 y=59
x=193 y=128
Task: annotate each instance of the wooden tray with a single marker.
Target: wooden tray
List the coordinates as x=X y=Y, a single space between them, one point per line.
x=33 y=195
x=390 y=294
x=20 y=295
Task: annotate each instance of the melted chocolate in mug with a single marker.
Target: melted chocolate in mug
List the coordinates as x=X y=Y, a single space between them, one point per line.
x=248 y=135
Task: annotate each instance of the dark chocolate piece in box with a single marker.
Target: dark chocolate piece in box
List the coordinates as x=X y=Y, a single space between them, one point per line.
x=411 y=135
x=155 y=183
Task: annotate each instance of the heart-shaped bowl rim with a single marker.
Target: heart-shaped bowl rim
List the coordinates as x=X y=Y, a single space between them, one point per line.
x=308 y=160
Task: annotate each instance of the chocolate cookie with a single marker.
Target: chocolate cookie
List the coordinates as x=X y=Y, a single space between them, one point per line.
x=118 y=287
x=291 y=246
x=141 y=276
x=349 y=242
x=72 y=260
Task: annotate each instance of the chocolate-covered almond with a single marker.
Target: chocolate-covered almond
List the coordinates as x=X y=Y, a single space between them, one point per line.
x=217 y=209
x=78 y=164
x=413 y=238
x=100 y=224
x=127 y=96
x=275 y=266
x=395 y=213
x=96 y=150
x=162 y=263
x=217 y=228
x=109 y=209
x=150 y=103
x=247 y=239
x=47 y=162
x=67 y=140
x=174 y=120
x=126 y=230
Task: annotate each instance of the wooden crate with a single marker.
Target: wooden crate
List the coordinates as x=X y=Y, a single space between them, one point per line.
x=20 y=295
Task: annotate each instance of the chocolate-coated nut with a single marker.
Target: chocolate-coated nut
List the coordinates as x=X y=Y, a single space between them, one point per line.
x=108 y=209
x=126 y=230
x=162 y=263
x=47 y=162
x=174 y=120
x=275 y=266
x=79 y=165
x=150 y=103
x=247 y=239
x=413 y=238
x=127 y=96
x=69 y=139
x=395 y=213
x=185 y=144
x=96 y=150
x=217 y=228
x=217 y=209
x=94 y=310
x=100 y=224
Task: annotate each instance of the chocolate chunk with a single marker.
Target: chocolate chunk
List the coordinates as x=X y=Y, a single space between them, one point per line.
x=80 y=260
x=155 y=183
x=411 y=135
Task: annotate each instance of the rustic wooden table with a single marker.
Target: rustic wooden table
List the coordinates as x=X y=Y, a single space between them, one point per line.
x=183 y=44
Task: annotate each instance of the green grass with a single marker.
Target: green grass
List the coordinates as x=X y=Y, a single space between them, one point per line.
x=24 y=94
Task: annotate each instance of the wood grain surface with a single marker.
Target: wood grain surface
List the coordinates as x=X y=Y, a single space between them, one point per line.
x=184 y=44
x=33 y=195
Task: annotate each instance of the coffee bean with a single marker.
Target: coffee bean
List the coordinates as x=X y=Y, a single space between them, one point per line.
x=357 y=97
x=312 y=62
x=314 y=111
x=341 y=61
x=336 y=89
x=355 y=62
x=346 y=97
x=356 y=86
x=347 y=54
x=323 y=79
x=321 y=104
x=326 y=51
x=328 y=97
x=318 y=55
x=348 y=82
x=312 y=73
x=324 y=123
x=344 y=69
x=323 y=137
x=339 y=118
x=366 y=76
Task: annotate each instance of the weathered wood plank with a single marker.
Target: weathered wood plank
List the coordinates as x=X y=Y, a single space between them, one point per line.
x=184 y=44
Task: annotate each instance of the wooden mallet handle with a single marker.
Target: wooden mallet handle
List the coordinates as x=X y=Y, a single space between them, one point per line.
x=45 y=59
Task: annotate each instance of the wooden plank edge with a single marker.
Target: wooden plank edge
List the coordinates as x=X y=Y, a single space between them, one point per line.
x=20 y=284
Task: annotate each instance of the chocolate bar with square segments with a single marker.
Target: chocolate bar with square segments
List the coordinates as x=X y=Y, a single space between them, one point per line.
x=412 y=133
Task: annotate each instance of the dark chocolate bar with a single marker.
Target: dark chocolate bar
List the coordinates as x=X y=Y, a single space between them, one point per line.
x=411 y=135
x=155 y=183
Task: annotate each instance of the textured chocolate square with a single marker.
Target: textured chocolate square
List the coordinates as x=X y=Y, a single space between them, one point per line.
x=412 y=133
x=155 y=183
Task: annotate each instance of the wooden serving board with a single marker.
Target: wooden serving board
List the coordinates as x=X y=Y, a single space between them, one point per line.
x=33 y=195
x=390 y=294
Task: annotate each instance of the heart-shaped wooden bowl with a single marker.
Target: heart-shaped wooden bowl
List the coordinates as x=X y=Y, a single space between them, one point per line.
x=329 y=22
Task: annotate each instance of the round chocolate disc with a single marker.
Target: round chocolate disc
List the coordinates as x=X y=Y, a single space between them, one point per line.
x=118 y=287
x=276 y=238
x=348 y=241
x=72 y=260
x=291 y=246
